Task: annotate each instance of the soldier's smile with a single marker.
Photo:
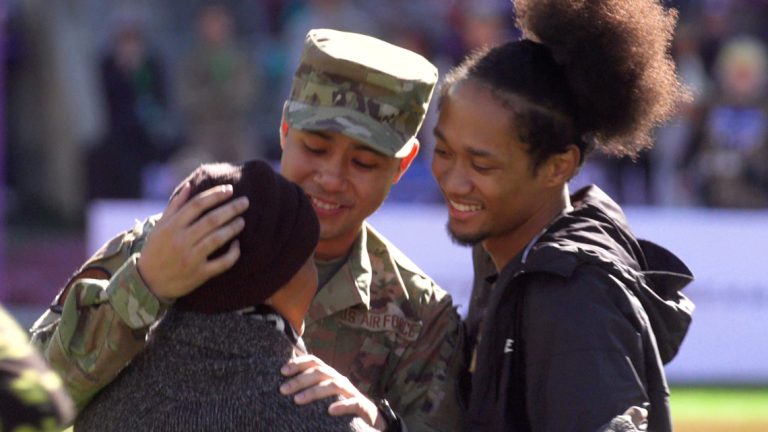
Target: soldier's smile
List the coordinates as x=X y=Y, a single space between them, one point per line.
x=326 y=208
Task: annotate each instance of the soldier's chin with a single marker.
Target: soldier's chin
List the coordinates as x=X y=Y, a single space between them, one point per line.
x=465 y=239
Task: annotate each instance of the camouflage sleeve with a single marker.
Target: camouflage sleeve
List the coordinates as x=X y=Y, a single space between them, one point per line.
x=100 y=320
x=32 y=397
x=424 y=387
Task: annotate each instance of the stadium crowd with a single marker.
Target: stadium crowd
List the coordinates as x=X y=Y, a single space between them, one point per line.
x=155 y=70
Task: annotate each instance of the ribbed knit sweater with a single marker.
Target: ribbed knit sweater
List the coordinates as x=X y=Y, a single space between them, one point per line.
x=208 y=373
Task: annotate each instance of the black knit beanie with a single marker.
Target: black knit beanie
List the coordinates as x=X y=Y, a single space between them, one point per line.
x=280 y=234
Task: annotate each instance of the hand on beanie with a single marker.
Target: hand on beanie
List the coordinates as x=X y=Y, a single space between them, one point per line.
x=174 y=261
x=279 y=236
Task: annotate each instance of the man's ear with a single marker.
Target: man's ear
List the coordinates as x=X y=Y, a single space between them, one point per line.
x=406 y=161
x=283 y=126
x=561 y=167
x=283 y=132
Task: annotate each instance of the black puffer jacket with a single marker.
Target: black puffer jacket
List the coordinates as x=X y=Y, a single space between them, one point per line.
x=577 y=329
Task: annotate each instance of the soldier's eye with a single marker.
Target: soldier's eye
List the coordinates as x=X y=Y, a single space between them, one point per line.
x=440 y=152
x=313 y=150
x=364 y=165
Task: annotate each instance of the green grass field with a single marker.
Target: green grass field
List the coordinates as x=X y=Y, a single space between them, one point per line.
x=703 y=409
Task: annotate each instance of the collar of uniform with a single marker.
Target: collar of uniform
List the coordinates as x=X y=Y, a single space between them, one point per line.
x=350 y=286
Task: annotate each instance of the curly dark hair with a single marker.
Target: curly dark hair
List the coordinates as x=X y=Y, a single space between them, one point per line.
x=595 y=73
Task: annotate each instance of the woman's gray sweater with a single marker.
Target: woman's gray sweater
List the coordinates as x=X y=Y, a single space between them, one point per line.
x=208 y=373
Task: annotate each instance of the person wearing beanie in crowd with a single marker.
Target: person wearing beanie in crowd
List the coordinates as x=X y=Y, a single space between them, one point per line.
x=196 y=374
x=383 y=335
x=572 y=317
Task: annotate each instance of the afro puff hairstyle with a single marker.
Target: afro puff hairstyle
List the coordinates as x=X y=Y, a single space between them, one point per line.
x=594 y=73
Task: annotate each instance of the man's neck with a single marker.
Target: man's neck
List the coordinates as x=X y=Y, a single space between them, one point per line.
x=337 y=247
x=505 y=247
x=292 y=316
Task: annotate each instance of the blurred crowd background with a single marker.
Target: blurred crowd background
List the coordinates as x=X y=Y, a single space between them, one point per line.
x=119 y=99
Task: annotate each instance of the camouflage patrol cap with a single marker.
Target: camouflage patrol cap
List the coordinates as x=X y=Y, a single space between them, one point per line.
x=365 y=88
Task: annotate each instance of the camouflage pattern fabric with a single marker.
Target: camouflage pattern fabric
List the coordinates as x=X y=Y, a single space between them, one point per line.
x=32 y=397
x=393 y=332
x=100 y=320
x=379 y=321
x=362 y=87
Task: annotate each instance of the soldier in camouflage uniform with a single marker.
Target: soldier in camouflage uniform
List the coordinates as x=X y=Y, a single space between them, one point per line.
x=381 y=330
x=32 y=397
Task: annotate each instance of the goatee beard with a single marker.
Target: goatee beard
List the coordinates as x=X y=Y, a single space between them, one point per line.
x=465 y=239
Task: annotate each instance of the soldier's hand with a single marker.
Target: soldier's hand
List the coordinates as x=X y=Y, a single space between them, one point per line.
x=314 y=380
x=174 y=260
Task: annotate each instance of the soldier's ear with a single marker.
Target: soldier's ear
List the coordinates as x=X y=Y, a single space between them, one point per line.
x=283 y=132
x=406 y=161
x=283 y=126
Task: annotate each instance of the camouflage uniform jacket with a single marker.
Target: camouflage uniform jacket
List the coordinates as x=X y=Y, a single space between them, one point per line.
x=392 y=331
x=379 y=321
x=32 y=397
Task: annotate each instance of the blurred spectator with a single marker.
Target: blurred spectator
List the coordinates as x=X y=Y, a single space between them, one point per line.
x=219 y=86
x=137 y=135
x=32 y=397
x=672 y=140
x=715 y=20
x=729 y=164
x=475 y=24
x=415 y=25
x=343 y=15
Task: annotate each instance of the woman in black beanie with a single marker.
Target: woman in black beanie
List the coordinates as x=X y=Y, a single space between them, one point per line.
x=213 y=363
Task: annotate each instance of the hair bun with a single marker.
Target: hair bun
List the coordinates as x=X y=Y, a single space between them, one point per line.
x=615 y=55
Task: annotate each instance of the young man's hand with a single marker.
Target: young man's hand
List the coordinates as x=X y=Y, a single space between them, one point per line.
x=174 y=260
x=314 y=380
x=635 y=419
